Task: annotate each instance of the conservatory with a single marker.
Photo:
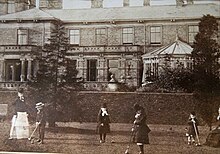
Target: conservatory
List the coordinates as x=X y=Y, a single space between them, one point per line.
x=176 y=54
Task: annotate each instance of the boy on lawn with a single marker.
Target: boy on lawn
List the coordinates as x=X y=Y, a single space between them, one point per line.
x=40 y=121
x=193 y=128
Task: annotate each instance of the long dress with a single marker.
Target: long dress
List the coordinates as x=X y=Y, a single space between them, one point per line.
x=141 y=128
x=20 y=125
x=103 y=122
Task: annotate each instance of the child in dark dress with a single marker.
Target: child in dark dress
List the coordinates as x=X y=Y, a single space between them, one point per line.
x=103 y=123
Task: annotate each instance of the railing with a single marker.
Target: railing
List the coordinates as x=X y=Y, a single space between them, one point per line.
x=99 y=86
x=18 y=48
x=11 y=85
x=128 y=48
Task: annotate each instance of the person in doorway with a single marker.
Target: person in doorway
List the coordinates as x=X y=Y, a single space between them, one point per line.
x=193 y=128
x=103 y=123
x=141 y=130
x=40 y=122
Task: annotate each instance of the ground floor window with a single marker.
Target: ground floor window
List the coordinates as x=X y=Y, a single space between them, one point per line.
x=92 y=70
x=12 y=70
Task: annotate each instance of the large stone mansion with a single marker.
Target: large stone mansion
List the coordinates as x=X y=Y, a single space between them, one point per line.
x=103 y=41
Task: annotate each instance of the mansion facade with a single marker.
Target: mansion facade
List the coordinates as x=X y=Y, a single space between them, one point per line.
x=104 y=41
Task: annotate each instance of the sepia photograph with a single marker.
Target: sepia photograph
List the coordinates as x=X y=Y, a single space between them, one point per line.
x=109 y=76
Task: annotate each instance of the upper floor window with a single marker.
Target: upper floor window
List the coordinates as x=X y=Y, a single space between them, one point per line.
x=22 y=36
x=193 y=30
x=74 y=36
x=11 y=6
x=101 y=38
x=127 y=35
x=155 y=35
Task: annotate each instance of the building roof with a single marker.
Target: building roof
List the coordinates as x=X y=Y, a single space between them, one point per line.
x=168 y=12
x=31 y=14
x=136 y=13
x=176 y=48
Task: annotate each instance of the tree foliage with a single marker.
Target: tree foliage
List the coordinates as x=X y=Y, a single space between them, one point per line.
x=206 y=56
x=56 y=76
x=175 y=80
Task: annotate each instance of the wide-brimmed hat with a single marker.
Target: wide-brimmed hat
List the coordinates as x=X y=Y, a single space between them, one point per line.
x=39 y=105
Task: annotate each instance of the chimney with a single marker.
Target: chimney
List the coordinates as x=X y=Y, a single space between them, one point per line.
x=4 y=7
x=190 y=1
x=146 y=2
x=125 y=3
x=97 y=3
x=179 y=2
x=37 y=4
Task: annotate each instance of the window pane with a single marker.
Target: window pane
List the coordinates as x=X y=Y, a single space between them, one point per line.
x=74 y=36
x=155 y=35
x=101 y=36
x=127 y=35
x=22 y=37
x=193 y=30
x=11 y=6
x=92 y=70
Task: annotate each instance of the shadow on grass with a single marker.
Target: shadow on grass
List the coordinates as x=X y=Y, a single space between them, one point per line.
x=19 y=145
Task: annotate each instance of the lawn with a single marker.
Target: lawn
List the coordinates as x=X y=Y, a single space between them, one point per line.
x=80 y=138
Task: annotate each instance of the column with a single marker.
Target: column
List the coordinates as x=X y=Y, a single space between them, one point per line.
x=29 y=69
x=126 y=3
x=2 y=70
x=102 y=70
x=81 y=68
x=122 y=70
x=22 y=77
x=146 y=2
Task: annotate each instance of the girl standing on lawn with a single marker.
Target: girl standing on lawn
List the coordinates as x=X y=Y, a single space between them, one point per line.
x=140 y=128
x=193 y=128
x=103 y=123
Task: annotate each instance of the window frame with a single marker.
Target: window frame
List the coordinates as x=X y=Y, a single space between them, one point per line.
x=194 y=33
x=128 y=35
x=156 y=35
x=99 y=35
x=20 y=37
x=74 y=35
x=11 y=6
x=89 y=76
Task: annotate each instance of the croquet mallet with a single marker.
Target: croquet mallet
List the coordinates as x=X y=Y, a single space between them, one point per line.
x=197 y=135
x=130 y=140
x=33 y=131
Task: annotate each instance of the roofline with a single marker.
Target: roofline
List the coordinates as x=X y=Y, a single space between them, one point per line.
x=141 y=20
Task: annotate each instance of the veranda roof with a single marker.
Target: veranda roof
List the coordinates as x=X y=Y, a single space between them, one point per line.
x=177 y=48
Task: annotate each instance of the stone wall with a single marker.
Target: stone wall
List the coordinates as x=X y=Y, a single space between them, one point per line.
x=38 y=33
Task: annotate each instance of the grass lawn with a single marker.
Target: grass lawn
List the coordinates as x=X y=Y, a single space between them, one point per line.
x=76 y=138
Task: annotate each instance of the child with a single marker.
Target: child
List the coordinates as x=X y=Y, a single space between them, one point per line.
x=103 y=123
x=193 y=128
x=141 y=129
x=40 y=121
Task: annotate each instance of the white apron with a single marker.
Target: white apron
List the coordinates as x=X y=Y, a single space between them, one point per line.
x=22 y=125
